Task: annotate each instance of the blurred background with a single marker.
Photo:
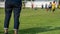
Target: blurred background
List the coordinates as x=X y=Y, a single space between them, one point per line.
x=33 y=19
x=36 y=3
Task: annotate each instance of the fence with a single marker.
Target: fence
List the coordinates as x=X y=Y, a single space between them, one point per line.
x=38 y=4
x=2 y=4
x=29 y=4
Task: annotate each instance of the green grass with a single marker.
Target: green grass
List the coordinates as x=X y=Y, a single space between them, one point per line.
x=34 y=22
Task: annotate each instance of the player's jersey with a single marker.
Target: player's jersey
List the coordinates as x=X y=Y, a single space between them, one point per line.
x=53 y=5
x=50 y=5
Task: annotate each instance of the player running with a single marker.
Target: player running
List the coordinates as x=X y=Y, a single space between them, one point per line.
x=50 y=6
x=53 y=6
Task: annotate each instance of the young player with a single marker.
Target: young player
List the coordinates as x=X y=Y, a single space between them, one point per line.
x=53 y=6
x=50 y=6
x=32 y=5
x=42 y=6
x=59 y=4
x=46 y=7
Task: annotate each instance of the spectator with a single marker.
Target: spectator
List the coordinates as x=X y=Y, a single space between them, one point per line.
x=14 y=5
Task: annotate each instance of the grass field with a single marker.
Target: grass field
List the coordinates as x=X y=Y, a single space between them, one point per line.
x=34 y=22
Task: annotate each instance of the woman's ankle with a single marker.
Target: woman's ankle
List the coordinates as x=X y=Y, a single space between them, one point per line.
x=6 y=31
x=15 y=31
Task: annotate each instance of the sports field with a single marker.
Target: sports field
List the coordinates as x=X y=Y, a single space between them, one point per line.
x=34 y=22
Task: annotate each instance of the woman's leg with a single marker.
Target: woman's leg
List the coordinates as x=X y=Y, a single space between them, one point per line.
x=8 y=12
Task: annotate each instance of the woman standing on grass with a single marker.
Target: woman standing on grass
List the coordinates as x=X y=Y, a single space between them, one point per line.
x=10 y=5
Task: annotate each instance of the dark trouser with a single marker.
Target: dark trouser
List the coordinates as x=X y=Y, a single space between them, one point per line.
x=8 y=12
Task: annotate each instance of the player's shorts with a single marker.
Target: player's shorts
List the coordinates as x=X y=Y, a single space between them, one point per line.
x=50 y=7
x=53 y=9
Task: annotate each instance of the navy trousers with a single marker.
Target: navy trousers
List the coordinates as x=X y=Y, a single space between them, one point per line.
x=16 y=7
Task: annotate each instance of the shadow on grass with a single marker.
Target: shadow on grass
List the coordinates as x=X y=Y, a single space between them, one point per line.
x=35 y=30
x=1 y=32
